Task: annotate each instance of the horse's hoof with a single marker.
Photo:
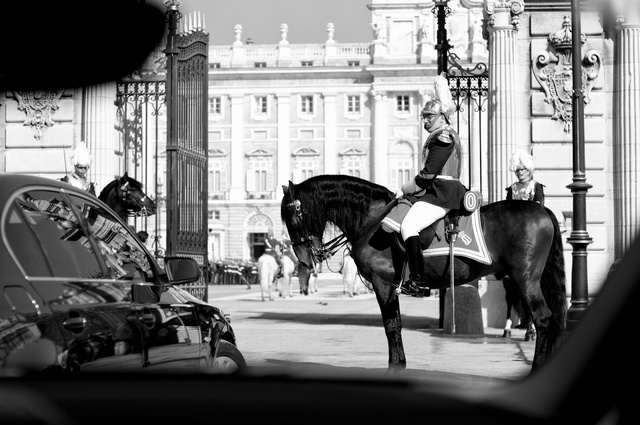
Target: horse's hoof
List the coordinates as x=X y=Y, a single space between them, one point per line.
x=506 y=333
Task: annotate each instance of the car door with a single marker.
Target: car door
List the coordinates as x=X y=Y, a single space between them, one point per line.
x=164 y=330
x=81 y=308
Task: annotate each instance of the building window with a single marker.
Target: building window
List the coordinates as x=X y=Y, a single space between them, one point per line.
x=261 y=105
x=217 y=176
x=214 y=65
x=214 y=215
x=402 y=103
x=306 y=104
x=306 y=63
x=260 y=64
x=353 y=104
x=259 y=175
x=352 y=166
x=306 y=164
x=353 y=63
x=215 y=105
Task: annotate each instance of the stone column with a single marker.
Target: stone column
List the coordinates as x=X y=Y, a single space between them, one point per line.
x=100 y=134
x=379 y=139
x=237 y=188
x=627 y=130
x=502 y=20
x=284 y=148
x=330 y=155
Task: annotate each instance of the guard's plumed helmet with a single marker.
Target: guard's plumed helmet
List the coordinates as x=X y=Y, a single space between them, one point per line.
x=432 y=107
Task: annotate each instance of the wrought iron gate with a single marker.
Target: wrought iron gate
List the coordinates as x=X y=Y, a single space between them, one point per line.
x=470 y=90
x=172 y=168
x=187 y=146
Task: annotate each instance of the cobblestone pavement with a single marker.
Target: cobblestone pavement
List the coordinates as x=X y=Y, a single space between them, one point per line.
x=329 y=328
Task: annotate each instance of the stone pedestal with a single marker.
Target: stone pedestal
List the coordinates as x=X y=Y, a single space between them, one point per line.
x=468 y=312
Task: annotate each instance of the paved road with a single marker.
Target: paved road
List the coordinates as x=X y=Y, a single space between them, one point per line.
x=329 y=328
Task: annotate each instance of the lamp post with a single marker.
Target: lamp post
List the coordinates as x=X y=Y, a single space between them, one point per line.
x=579 y=238
x=442 y=10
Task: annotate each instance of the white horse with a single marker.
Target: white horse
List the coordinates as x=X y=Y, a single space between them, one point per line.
x=267 y=269
x=288 y=267
x=349 y=271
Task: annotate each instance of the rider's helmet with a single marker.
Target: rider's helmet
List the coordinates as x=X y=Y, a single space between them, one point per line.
x=432 y=107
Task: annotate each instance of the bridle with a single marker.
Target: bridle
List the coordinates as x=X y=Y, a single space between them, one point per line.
x=331 y=247
x=125 y=191
x=319 y=254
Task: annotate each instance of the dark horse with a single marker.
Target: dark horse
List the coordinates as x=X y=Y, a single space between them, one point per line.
x=124 y=195
x=523 y=239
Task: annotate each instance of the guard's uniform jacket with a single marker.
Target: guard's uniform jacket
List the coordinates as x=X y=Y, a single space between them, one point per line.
x=533 y=191
x=75 y=180
x=441 y=173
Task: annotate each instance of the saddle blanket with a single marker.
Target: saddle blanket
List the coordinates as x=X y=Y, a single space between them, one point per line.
x=469 y=243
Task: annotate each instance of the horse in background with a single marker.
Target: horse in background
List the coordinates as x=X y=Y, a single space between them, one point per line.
x=514 y=303
x=267 y=271
x=350 y=276
x=125 y=197
x=531 y=254
x=288 y=267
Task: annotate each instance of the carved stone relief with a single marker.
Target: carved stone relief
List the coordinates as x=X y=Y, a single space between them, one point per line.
x=39 y=107
x=553 y=70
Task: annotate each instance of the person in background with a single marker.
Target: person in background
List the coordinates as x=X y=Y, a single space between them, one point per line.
x=81 y=161
x=273 y=247
x=526 y=188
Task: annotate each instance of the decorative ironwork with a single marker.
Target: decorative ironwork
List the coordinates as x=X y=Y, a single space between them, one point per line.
x=187 y=146
x=39 y=107
x=554 y=73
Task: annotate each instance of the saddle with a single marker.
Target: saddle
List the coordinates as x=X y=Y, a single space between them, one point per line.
x=471 y=201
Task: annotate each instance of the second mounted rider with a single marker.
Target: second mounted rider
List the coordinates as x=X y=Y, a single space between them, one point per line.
x=273 y=247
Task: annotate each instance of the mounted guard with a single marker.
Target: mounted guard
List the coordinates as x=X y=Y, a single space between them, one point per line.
x=436 y=189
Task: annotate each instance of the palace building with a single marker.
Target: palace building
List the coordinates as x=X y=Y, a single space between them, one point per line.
x=288 y=111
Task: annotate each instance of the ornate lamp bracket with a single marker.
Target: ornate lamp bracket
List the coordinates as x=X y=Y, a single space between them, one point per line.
x=39 y=107
x=554 y=72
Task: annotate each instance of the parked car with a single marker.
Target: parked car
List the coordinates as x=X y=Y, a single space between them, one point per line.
x=81 y=293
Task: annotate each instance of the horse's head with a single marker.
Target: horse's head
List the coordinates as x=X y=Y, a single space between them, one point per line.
x=305 y=234
x=133 y=199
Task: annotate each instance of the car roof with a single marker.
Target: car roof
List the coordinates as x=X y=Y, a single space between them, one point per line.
x=10 y=182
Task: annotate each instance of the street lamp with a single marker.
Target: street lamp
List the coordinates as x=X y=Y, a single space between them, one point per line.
x=579 y=238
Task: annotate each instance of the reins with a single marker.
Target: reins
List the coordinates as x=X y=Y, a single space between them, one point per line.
x=331 y=247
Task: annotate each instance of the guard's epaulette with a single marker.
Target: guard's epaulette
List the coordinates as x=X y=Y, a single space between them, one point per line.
x=445 y=136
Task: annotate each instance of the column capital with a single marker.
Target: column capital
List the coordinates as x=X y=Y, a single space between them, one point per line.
x=502 y=14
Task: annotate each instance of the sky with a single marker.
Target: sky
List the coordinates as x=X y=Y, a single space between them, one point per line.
x=260 y=19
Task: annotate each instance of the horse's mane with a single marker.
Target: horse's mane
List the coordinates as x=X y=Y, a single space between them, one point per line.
x=340 y=199
x=112 y=185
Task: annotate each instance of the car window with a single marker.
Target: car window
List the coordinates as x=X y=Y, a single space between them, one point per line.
x=49 y=239
x=46 y=237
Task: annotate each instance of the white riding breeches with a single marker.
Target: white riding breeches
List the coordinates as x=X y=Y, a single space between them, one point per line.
x=421 y=215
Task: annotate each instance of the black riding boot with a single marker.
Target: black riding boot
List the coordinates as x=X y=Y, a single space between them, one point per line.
x=415 y=286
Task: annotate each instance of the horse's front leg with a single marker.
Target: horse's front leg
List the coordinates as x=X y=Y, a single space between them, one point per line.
x=390 y=309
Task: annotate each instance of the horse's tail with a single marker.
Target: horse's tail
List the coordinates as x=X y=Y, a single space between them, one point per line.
x=553 y=284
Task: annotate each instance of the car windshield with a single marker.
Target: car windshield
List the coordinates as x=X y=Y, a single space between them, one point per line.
x=245 y=196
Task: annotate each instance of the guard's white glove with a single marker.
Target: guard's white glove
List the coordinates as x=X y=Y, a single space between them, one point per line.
x=410 y=187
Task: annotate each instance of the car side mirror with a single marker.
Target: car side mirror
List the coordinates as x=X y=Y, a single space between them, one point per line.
x=181 y=270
